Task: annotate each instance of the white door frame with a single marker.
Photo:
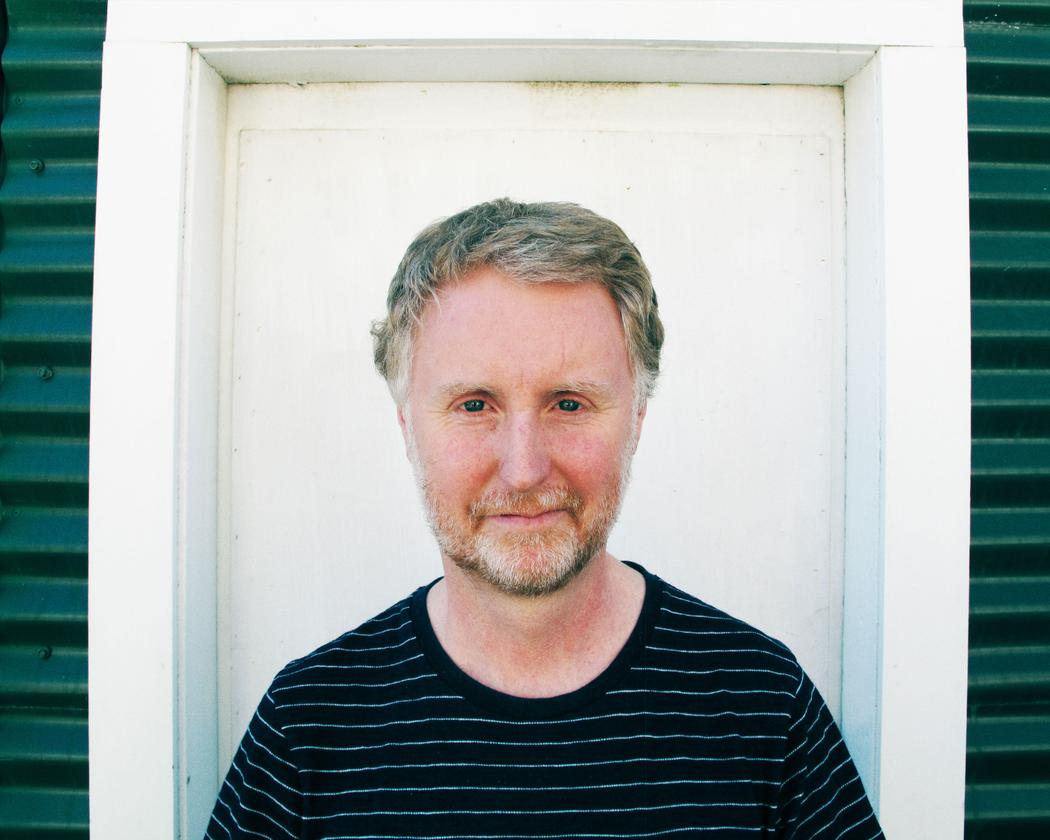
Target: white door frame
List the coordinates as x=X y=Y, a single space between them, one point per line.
x=155 y=515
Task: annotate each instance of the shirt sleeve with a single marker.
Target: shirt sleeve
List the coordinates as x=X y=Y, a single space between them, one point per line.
x=821 y=796
x=260 y=796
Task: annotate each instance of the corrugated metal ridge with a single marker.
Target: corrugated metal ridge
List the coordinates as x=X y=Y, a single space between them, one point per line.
x=52 y=70
x=1015 y=13
x=1008 y=738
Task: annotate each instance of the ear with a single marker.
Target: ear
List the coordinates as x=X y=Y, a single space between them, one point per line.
x=639 y=419
x=402 y=421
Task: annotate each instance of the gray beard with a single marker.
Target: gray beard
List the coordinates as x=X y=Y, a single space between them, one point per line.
x=527 y=564
x=533 y=563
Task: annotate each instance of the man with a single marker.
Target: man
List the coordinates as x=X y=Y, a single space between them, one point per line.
x=540 y=688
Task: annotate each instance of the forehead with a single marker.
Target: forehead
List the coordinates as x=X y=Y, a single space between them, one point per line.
x=488 y=327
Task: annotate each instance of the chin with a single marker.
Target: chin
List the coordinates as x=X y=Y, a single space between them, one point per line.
x=530 y=566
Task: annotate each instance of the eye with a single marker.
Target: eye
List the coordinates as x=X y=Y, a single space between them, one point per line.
x=568 y=405
x=474 y=406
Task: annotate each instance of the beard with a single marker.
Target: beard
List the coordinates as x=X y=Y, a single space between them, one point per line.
x=529 y=562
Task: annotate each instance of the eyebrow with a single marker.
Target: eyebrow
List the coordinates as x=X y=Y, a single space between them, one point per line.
x=583 y=386
x=455 y=389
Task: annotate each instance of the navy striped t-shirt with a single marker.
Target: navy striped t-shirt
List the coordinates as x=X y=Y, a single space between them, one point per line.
x=701 y=725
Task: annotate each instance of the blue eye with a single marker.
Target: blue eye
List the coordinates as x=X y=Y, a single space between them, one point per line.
x=568 y=405
x=474 y=406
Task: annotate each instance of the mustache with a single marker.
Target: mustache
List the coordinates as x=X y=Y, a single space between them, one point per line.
x=530 y=503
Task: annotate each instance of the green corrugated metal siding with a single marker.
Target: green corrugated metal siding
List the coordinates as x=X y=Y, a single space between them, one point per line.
x=49 y=133
x=1008 y=739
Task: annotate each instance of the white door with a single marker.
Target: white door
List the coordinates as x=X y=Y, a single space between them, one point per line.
x=734 y=196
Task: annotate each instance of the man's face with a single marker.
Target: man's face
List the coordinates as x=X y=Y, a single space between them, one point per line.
x=520 y=422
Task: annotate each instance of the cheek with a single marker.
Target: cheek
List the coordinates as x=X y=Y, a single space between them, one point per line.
x=589 y=460
x=454 y=461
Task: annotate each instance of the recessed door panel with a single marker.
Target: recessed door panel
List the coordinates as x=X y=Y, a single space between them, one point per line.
x=734 y=196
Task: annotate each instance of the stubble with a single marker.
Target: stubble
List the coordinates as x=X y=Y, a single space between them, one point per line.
x=528 y=563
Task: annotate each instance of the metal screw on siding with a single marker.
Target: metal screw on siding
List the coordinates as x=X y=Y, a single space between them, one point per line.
x=46 y=373
x=44 y=652
x=37 y=165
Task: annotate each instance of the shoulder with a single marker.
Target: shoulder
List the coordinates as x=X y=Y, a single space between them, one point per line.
x=688 y=630
x=382 y=642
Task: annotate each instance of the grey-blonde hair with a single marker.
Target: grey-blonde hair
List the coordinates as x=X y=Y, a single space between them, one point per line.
x=545 y=242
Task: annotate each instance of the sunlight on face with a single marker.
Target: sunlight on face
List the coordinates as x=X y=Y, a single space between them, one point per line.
x=524 y=562
x=520 y=424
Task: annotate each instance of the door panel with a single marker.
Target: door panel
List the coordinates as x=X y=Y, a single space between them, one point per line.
x=734 y=196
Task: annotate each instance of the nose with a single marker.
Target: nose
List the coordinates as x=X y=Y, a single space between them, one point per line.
x=524 y=459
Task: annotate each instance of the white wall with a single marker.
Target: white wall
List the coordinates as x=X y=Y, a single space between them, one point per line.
x=735 y=196
x=156 y=462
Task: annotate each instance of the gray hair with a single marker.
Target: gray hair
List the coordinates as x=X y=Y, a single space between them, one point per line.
x=550 y=242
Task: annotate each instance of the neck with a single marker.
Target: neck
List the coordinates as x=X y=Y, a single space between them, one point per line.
x=537 y=646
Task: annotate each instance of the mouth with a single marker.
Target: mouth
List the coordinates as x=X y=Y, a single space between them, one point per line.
x=540 y=519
